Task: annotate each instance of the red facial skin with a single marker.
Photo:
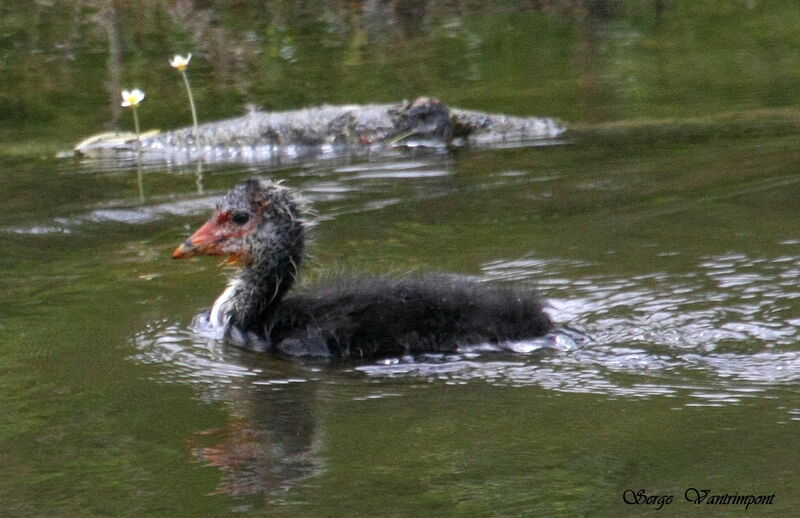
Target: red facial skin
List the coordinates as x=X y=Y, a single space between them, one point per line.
x=218 y=236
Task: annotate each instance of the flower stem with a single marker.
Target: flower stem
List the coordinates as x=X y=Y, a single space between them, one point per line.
x=191 y=101
x=136 y=125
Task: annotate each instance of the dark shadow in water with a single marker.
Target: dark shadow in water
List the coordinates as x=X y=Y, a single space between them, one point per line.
x=270 y=443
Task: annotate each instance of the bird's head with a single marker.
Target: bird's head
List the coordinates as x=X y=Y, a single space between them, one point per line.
x=253 y=221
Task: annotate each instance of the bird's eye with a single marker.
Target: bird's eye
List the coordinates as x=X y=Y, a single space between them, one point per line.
x=240 y=218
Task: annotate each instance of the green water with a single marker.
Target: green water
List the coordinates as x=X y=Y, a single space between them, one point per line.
x=676 y=261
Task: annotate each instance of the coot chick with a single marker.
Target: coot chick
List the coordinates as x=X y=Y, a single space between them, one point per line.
x=259 y=225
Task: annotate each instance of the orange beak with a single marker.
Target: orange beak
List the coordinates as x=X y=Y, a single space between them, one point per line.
x=203 y=241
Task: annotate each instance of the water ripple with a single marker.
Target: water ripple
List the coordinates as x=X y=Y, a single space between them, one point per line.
x=719 y=331
x=646 y=336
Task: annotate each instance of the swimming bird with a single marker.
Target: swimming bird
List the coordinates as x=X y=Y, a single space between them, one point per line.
x=260 y=226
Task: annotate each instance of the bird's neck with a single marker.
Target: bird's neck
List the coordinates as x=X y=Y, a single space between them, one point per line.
x=259 y=289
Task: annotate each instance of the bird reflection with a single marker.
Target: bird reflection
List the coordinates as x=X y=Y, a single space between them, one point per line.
x=269 y=444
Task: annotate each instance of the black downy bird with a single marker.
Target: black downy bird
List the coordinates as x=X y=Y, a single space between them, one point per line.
x=259 y=224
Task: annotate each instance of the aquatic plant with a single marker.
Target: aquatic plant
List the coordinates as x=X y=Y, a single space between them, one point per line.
x=180 y=63
x=131 y=99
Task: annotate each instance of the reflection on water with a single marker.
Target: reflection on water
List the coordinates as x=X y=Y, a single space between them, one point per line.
x=144 y=206
x=270 y=443
x=649 y=336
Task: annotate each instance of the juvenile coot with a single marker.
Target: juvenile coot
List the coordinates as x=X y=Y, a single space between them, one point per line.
x=259 y=225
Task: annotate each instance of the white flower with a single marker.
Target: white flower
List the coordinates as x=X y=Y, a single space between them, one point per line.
x=180 y=62
x=132 y=98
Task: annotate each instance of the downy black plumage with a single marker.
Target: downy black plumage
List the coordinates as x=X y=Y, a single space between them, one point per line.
x=260 y=225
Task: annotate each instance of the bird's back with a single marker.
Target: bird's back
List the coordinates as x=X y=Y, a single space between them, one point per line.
x=382 y=316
